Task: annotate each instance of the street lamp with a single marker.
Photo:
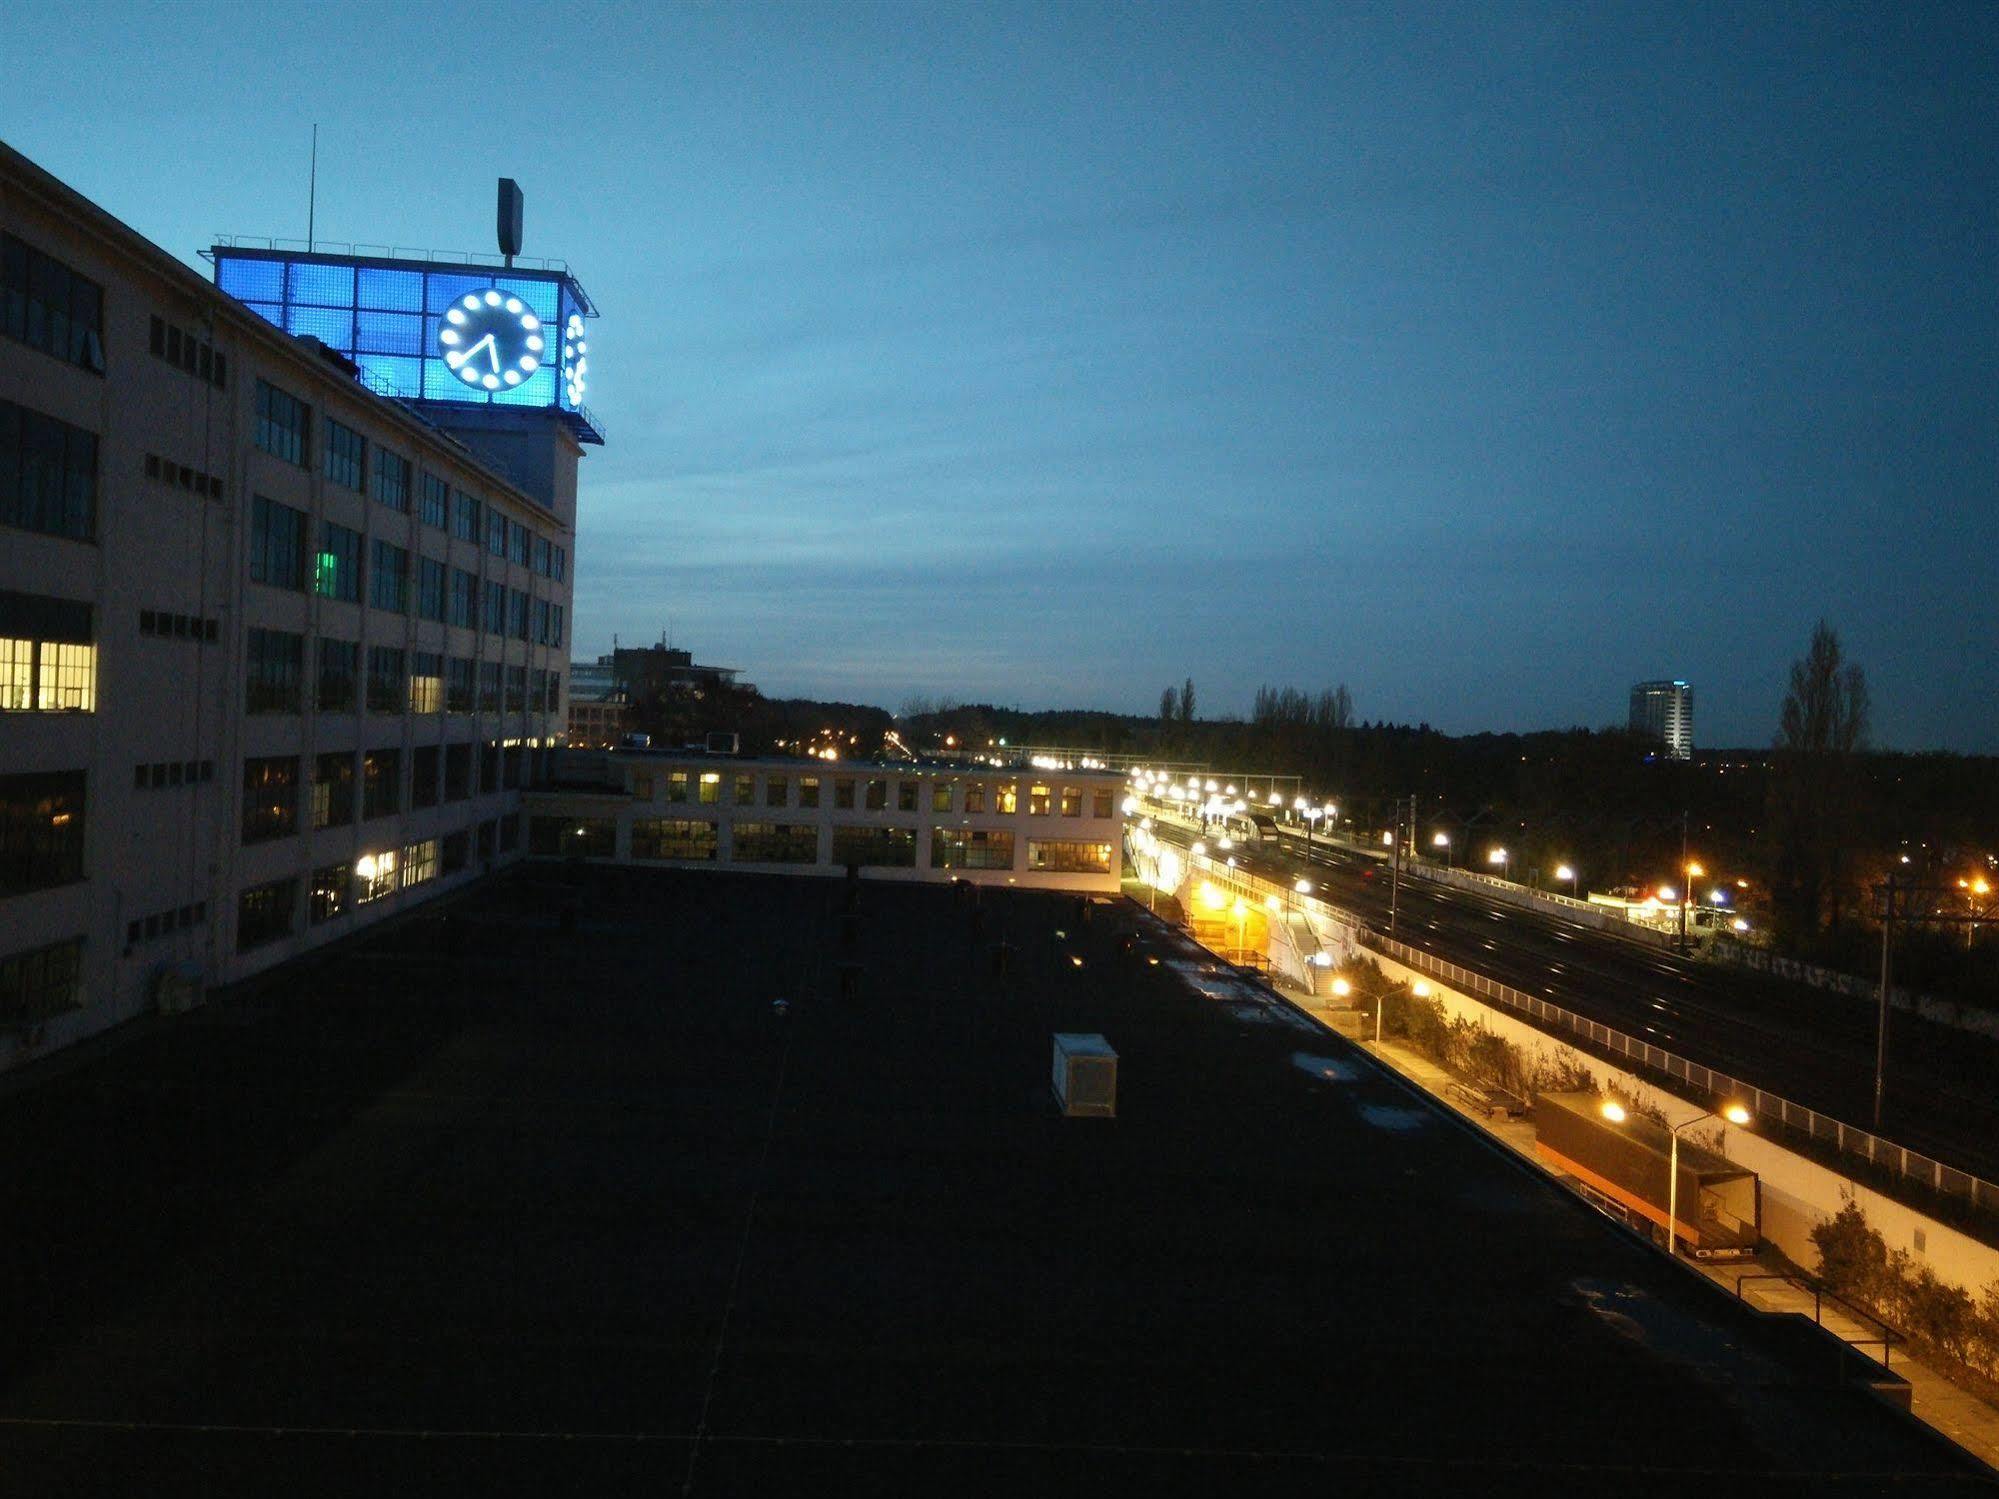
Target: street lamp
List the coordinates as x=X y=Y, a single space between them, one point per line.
x=1693 y=872
x=1503 y=859
x=1443 y=841
x=1564 y=872
x=1734 y=1113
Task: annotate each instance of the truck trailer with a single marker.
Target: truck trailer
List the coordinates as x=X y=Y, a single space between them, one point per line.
x=1626 y=1166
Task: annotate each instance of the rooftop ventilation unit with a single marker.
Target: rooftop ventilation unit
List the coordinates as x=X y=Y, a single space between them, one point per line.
x=1085 y=1076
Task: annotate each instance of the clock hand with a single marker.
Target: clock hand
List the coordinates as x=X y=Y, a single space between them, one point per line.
x=492 y=352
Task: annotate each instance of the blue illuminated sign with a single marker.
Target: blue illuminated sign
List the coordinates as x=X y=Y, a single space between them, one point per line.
x=428 y=331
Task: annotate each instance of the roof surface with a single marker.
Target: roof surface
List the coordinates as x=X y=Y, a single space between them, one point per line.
x=550 y=1197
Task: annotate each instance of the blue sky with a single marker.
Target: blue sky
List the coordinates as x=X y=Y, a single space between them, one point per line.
x=1485 y=358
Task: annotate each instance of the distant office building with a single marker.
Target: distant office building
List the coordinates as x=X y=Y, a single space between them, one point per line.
x=281 y=615
x=1664 y=711
x=655 y=670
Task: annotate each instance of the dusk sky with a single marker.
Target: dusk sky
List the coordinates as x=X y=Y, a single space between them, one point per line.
x=1486 y=358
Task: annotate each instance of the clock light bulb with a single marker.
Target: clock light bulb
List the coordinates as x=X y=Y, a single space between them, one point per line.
x=472 y=302
x=448 y=336
x=455 y=316
x=469 y=376
x=513 y=304
x=535 y=343
x=530 y=322
x=492 y=299
x=513 y=377
x=491 y=382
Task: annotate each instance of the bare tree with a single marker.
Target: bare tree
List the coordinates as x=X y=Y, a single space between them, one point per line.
x=1187 y=701
x=1822 y=725
x=1825 y=712
x=1169 y=708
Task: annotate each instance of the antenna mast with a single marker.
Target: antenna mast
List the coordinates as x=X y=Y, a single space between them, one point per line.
x=312 y=192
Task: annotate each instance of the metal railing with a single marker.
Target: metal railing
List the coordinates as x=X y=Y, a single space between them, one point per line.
x=486 y=259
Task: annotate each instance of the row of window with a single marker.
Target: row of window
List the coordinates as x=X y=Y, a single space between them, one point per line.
x=47 y=306
x=798 y=843
x=284 y=430
x=275 y=795
x=48 y=474
x=943 y=796
x=177 y=626
x=270 y=911
x=166 y=923
x=191 y=479
x=48 y=663
x=188 y=351
x=397 y=681
x=161 y=775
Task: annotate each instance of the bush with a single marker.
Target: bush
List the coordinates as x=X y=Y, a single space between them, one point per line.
x=1937 y=1318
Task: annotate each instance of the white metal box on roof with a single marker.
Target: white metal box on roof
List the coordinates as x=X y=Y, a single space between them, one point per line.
x=1085 y=1075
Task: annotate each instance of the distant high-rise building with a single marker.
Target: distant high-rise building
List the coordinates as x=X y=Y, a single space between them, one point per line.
x=1665 y=711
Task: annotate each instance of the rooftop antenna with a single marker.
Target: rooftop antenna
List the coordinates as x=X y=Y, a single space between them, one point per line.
x=312 y=192
x=510 y=218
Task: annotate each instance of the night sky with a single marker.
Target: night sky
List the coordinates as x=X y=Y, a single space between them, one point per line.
x=1487 y=359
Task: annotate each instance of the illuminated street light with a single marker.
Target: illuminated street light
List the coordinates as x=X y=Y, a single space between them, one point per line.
x=1565 y=872
x=1732 y=1112
x=1443 y=841
x=1503 y=859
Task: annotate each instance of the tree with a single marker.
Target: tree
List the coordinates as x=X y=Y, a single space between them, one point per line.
x=1822 y=724
x=1169 y=708
x=1187 y=701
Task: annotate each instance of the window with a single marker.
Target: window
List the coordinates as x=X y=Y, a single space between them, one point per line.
x=540 y=562
x=558 y=563
x=277 y=544
x=41 y=982
x=1072 y=801
x=517 y=544
x=458 y=685
x=774 y=843
x=676 y=785
x=41 y=831
x=1100 y=802
x=510 y=766
x=776 y=791
x=905 y=796
x=808 y=791
x=386 y=685
x=538 y=621
x=489 y=767
x=877 y=796
x=374 y=876
x=1068 y=856
x=883 y=848
x=330 y=894
x=1004 y=801
x=433 y=501
x=336 y=567
x=517 y=614
x=464 y=609
x=333 y=790
x=843 y=793
x=175 y=626
x=47 y=661
x=381 y=783
x=276 y=659
x=975 y=796
x=270 y=798
x=489 y=688
x=426 y=682
x=48 y=474
x=419 y=862
x=577 y=837
x=392 y=480
x=389 y=585
x=555 y=624
x=264 y=913
x=284 y=425
x=194 y=480
x=1038 y=801
x=746 y=790
x=186 y=350
x=464 y=516
x=48 y=306
x=457 y=772
x=711 y=787
x=672 y=838
x=496 y=533
x=517 y=688
x=493 y=596
x=970 y=848
x=346 y=456
x=940 y=796
x=430 y=589
x=457 y=849
x=339 y=665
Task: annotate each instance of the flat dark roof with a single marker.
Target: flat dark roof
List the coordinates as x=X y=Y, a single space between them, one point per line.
x=537 y=1191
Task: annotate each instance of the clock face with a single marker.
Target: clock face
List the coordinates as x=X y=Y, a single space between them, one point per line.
x=491 y=340
x=575 y=359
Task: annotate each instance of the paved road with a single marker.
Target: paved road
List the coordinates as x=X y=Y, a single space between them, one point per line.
x=1813 y=1047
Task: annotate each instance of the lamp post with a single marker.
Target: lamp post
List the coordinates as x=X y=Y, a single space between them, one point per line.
x=1693 y=872
x=1734 y=1113
x=1503 y=859
x=1564 y=872
x=1443 y=841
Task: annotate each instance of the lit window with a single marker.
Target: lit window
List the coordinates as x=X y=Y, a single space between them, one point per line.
x=47 y=661
x=711 y=786
x=374 y=876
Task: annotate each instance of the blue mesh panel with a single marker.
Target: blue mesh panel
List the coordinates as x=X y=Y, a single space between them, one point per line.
x=322 y=285
x=537 y=390
x=389 y=332
x=439 y=384
x=446 y=289
x=395 y=291
x=251 y=280
x=539 y=295
x=270 y=312
x=332 y=326
x=403 y=376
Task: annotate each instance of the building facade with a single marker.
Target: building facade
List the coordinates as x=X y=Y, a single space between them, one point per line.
x=277 y=651
x=1664 y=712
x=1059 y=831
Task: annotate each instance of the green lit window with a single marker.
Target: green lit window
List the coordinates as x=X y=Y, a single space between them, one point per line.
x=336 y=566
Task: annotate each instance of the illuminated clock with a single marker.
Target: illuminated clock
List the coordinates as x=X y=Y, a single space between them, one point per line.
x=490 y=340
x=575 y=361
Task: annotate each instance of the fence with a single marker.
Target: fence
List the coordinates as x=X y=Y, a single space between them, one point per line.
x=1845 y=1138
